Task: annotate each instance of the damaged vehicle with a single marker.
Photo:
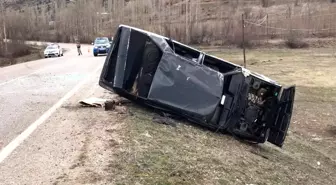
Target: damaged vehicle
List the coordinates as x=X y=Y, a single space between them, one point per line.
x=171 y=77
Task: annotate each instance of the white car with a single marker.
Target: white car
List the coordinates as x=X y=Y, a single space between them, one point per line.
x=53 y=50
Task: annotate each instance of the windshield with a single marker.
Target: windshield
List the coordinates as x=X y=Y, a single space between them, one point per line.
x=102 y=41
x=52 y=47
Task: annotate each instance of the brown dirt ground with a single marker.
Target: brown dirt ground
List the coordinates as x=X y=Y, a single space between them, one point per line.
x=136 y=150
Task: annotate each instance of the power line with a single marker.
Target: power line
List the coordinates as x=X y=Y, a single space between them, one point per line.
x=293 y=29
x=292 y=17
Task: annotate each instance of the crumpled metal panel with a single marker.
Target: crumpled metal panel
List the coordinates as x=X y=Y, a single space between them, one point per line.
x=186 y=85
x=122 y=57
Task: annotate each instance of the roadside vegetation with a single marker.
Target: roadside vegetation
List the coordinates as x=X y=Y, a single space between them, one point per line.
x=17 y=52
x=203 y=22
x=187 y=154
x=268 y=23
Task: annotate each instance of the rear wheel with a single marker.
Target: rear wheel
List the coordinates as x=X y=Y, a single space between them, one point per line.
x=151 y=58
x=95 y=54
x=150 y=61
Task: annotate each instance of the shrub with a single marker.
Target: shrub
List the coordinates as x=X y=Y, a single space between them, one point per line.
x=294 y=40
x=14 y=49
x=265 y=3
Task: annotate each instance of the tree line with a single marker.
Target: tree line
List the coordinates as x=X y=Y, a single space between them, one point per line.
x=193 y=22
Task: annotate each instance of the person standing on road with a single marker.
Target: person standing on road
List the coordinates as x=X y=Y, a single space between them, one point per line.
x=79 y=48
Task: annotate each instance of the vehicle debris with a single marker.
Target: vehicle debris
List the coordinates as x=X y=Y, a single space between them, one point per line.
x=114 y=104
x=93 y=102
x=164 y=120
x=121 y=109
x=171 y=77
x=147 y=135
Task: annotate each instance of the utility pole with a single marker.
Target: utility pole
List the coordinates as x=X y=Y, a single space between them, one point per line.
x=3 y=13
x=243 y=44
x=267 y=28
x=186 y=21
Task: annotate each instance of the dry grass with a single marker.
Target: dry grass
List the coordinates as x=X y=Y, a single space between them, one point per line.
x=152 y=153
x=130 y=148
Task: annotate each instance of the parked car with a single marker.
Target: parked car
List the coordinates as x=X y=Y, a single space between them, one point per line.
x=101 y=45
x=169 y=76
x=53 y=50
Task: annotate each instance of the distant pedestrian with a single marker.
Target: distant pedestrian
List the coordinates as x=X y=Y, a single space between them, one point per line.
x=79 y=48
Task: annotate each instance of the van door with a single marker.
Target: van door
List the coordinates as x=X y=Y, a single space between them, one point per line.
x=278 y=131
x=187 y=87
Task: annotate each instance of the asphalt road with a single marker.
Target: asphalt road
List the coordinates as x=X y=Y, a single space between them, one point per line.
x=28 y=92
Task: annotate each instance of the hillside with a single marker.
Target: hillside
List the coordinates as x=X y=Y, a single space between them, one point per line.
x=193 y=22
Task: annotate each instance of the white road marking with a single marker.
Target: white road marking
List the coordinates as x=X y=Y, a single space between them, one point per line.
x=5 y=152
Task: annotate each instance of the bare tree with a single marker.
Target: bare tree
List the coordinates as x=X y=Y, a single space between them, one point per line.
x=189 y=21
x=3 y=14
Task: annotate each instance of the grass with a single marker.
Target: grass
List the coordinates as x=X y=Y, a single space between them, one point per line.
x=152 y=153
x=159 y=154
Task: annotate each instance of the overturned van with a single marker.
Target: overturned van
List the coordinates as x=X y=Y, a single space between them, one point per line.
x=169 y=76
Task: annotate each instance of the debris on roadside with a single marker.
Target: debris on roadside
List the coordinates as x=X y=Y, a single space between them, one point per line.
x=116 y=104
x=147 y=135
x=171 y=116
x=93 y=102
x=164 y=120
x=109 y=105
x=121 y=109
x=316 y=139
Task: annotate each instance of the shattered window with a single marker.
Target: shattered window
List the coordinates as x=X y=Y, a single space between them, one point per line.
x=183 y=51
x=217 y=64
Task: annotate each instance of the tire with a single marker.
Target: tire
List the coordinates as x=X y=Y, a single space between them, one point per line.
x=151 y=58
x=95 y=54
x=150 y=61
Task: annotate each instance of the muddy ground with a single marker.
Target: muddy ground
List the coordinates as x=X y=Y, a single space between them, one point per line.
x=128 y=147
